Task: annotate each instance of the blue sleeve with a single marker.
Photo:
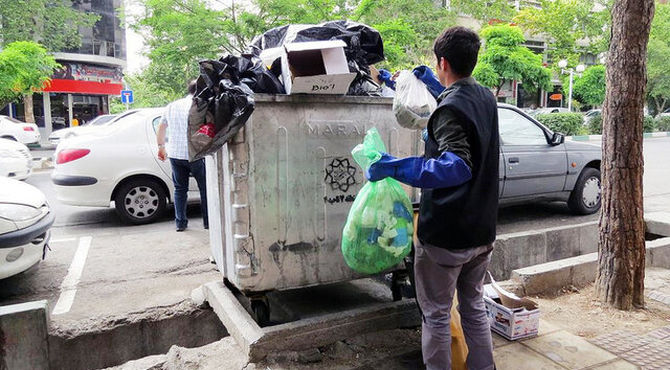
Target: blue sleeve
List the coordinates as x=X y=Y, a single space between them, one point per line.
x=446 y=171
x=427 y=76
x=385 y=76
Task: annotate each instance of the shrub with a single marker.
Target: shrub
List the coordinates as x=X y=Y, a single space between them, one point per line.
x=649 y=124
x=565 y=123
x=595 y=125
x=663 y=123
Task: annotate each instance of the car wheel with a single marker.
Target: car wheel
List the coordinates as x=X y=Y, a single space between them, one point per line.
x=586 y=196
x=140 y=201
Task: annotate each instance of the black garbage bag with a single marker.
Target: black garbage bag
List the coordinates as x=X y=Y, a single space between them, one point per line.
x=364 y=43
x=221 y=106
x=250 y=70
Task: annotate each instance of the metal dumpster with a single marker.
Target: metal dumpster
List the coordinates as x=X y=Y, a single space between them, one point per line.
x=280 y=191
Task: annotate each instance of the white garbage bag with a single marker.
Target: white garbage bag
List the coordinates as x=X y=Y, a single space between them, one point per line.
x=413 y=103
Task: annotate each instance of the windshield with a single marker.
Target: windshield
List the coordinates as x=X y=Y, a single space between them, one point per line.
x=101 y=120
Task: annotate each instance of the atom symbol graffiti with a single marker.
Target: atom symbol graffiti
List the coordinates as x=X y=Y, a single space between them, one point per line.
x=340 y=174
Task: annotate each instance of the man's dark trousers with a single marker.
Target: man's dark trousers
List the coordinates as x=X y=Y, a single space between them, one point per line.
x=181 y=169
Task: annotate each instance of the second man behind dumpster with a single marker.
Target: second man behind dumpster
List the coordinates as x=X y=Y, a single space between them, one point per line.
x=175 y=118
x=459 y=203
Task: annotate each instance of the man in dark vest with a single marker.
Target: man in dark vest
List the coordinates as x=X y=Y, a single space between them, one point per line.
x=459 y=203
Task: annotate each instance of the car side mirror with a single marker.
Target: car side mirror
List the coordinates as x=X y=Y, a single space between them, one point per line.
x=557 y=138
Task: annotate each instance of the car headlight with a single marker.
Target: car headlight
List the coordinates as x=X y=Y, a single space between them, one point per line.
x=18 y=212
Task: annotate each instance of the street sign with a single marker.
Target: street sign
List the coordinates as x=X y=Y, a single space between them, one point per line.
x=126 y=96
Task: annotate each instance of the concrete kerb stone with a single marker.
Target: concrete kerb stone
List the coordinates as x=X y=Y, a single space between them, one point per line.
x=579 y=271
x=307 y=333
x=658 y=253
x=234 y=317
x=518 y=250
x=658 y=223
x=24 y=336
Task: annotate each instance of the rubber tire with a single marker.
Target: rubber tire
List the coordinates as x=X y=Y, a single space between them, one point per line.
x=575 y=201
x=121 y=195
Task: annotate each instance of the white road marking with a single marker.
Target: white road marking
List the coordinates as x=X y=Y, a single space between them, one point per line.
x=62 y=240
x=69 y=285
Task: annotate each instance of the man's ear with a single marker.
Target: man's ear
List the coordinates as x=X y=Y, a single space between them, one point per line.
x=444 y=64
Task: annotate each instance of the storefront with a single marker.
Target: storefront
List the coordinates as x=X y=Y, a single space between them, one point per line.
x=77 y=90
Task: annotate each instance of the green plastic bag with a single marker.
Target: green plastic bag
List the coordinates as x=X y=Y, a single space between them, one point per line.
x=379 y=229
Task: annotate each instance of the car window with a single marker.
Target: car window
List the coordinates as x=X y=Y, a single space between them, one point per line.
x=156 y=121
x=516 y=129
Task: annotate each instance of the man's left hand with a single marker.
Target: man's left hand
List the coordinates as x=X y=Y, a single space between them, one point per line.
x=381 y=169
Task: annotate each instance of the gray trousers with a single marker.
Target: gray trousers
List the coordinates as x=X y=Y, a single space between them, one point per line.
x=438 y=272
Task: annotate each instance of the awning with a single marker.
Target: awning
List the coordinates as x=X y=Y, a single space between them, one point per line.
x=83 y=87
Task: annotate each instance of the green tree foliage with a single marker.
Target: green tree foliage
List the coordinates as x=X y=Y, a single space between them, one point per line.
x=25 y=67
x=589 y=89
x=181 y=32
x=565 y=23
x=658 y=59
x=504 y=59
x=53 y=23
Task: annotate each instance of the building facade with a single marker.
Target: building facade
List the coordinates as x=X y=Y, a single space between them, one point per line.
x=89 y=75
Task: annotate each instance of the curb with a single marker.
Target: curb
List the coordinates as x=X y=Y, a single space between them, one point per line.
x=600 y=137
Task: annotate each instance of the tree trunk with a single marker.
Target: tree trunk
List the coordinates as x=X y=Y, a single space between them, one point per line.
x=28 y=108
x=621 y=257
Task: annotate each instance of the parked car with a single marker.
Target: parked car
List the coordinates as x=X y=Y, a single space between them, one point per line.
x=15 y=160
x=25 y=220
x=117 y=164
x=59 y=135
x=13 y=129
x=591 y=114
x=550 y=110
x=665 y=113
x=537 y=164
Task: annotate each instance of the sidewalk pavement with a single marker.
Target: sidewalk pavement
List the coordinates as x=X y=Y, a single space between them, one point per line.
x=554 y=348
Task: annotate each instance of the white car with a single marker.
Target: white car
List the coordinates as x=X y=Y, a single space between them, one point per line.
x=15 y=160
x=65 y=133
x=13 y=129
x=25 y=220
x=117 y=164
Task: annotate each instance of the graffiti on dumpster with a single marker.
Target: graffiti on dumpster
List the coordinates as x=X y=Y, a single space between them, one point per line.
x=340 y=174
x=340 y=199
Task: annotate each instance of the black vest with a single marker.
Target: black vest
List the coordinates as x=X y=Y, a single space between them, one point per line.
x=465 y=216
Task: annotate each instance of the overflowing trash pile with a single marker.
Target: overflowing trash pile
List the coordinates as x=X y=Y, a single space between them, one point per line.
x=379 y=229
x=225 y=88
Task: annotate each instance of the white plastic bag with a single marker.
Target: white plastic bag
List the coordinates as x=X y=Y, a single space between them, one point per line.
x=413 y=103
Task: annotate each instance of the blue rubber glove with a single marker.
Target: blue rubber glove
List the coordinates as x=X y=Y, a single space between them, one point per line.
x=444 y=172
x=427 y=76
x=385 y=76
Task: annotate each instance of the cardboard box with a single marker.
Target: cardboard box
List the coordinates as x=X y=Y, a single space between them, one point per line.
x=511 y=323
x=316 y=67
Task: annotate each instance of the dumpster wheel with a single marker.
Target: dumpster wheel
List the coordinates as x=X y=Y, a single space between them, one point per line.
x=260 y=307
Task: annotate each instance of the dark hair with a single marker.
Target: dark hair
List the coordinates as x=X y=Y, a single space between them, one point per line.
x=459 y=46
x=192 y=87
